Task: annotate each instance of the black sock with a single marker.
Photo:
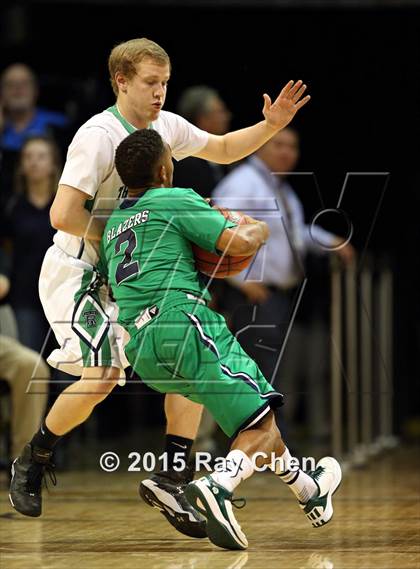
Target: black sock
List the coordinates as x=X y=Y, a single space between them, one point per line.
x=44 y=438
x=178 y=451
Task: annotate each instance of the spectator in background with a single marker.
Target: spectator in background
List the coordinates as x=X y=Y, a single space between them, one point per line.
x=27 y=227
x=22 y=118
x=18 y=366
x=203 y=107
x=273 y=281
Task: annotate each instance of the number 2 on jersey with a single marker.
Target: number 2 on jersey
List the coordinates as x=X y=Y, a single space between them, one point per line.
x=127 y=268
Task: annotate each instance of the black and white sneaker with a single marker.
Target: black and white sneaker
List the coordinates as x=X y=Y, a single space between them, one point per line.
x=165 y=491
x=28 y=472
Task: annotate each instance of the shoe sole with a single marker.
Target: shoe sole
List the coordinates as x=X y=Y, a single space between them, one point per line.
x=176 y=519
x=329 y=511
x=219 y=530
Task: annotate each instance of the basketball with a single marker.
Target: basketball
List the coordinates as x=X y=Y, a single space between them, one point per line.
x=222 y=266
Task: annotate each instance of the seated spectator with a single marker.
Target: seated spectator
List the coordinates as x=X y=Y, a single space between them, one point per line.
x=24 y=370
x=28 y=229
x=21 y=117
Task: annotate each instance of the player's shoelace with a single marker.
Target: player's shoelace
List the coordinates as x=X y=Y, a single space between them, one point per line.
x=180 y=479
x=37 y=474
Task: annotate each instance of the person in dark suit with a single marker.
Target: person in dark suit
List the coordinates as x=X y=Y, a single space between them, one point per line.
x=202 y=106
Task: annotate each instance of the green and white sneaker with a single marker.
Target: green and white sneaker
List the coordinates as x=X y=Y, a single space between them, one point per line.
x=327 y=476
x=215 y=503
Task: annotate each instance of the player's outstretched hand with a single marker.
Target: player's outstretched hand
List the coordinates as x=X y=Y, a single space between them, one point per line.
x=281 y=112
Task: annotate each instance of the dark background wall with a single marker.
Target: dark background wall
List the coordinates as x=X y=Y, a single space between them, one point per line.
x=362 y=69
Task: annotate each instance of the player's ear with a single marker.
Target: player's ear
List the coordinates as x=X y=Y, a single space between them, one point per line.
x=162 y=175
x=121 y=82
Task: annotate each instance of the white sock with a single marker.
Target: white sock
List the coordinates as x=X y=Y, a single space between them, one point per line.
x=235 y=468
x=302 y=485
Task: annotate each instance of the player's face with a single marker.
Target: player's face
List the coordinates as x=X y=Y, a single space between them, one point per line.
x=37 y=162
x=146 y=91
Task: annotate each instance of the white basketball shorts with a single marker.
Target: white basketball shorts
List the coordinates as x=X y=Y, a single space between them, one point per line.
x=83 y=320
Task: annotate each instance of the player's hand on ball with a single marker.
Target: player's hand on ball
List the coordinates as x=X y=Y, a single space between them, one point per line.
x=248 y=219
x=236 y=216
x=223 y=210
x=281 y=112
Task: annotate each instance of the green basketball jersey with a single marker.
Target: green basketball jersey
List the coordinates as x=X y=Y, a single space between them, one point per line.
x=146 y=249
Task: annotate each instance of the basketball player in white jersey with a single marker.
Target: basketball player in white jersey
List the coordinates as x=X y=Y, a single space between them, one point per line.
x=139 y=72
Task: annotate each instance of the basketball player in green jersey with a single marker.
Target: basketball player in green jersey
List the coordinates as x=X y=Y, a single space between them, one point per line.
x=179 y=345
x=139 y=72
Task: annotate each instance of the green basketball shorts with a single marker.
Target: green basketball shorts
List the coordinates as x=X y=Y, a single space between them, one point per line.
x=189 y=350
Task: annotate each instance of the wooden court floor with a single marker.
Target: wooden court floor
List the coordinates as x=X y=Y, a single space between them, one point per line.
x=94 y=520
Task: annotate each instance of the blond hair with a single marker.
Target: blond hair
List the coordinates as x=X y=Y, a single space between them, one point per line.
x=125 y=56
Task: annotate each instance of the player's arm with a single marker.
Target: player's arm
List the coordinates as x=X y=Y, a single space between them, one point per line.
x=243 y=239
x=236 y=145
x=89 y=162
x=209 y=229
x=68 y=213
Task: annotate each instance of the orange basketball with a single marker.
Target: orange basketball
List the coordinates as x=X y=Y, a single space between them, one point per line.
x=222 y=266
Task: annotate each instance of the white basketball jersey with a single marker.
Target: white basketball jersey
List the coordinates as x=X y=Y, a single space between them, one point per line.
x=90 y=165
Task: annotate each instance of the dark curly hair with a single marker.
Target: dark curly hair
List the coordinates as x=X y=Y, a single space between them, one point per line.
x=137 y=156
